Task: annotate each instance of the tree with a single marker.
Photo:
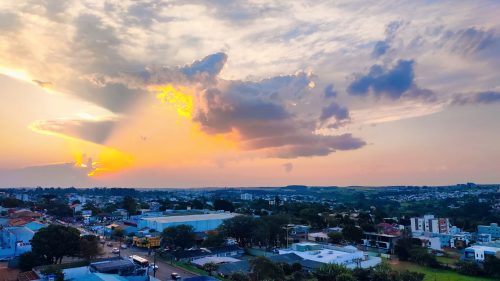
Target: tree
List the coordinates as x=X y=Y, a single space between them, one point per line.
x=345 y=277
x=10 y=202
x=52 y=270
x=210 y=267
x=214 y=239
x=335 y=237
x=492 y=266
x=262 y=268
x=221 y=204
x=59 y=210
x=239 y=276
x=330 y=272
x=352 y=233
x=239 y=228
x=402 y=248
x=56 y=241
x=180 y=236
x=28 y=260
x=90 y=247
x=118 y=233
x=130 y=205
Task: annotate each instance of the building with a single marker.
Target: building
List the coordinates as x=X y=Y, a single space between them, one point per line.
x=14 y=241
x=479 y=252
x=430 y=240
x=460 y=240
x=430 y=224
x=347 y=256
x=195 y=254
x=246 y=196
x=200 y=223
x=491 y=229
x=380 y=241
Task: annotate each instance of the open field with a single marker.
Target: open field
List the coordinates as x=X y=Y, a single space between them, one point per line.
x=436 y=274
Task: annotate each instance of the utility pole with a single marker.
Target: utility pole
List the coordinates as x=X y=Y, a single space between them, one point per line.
x=154 y=264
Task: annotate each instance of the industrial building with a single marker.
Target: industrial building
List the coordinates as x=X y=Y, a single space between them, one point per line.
x=200 y=223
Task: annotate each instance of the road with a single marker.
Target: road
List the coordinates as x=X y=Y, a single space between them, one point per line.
x=164 y=269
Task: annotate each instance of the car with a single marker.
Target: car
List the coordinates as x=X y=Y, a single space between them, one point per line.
x=175 y=276
x=123 y=246
x=115 y=251
x=153 y=266
x=110 y=244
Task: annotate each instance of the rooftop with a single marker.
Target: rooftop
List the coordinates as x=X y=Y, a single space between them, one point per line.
x=217 y=216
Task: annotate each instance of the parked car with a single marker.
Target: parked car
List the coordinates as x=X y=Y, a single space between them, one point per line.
x=124 y=246
x=110 y=244
x=153 y=266
x=115 y=251
x=175 y=276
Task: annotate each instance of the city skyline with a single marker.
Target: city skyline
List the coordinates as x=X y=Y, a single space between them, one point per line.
x=249 y=93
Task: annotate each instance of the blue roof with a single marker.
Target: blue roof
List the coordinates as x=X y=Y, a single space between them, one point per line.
x=100 y=277
x=22 y=233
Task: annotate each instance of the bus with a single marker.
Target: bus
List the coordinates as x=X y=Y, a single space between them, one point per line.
x=139 y=261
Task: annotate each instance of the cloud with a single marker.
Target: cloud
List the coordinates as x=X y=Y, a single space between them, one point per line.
x=381 y=47
x=288 y=167
x=477 y=98
x=340 y=113
x=9 y=22
x=89 y=130
x=330 y=91
x=393 y=82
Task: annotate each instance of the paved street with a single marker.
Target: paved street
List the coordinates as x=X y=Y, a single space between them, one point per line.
x=164 y=269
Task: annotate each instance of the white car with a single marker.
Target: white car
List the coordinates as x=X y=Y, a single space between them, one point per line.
x=153 y=266
x=123 y=246
x=115 y=251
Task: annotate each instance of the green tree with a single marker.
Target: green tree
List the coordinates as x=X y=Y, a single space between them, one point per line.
x=239 y=276
x=239 y=228
x=345 y=277
x=180 y=236
x=130 y=205
x=210 y=267
x=118 y=233
x=330 y=272
x=28 y=260
x=56 y=241
x=214 y=239
x=221 y=204
x=352 y=233
x=52 y=270
x=90 y=247
x=262 y=268
x=335 y=237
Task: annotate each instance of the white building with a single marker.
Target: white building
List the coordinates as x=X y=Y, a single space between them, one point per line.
x=430 y=224
x=200 y=223
x=246 y=196
x=479 y=252
x=348 y=256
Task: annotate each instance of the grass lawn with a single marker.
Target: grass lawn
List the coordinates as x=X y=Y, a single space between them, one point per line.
x=447 y=260
x=436 y=274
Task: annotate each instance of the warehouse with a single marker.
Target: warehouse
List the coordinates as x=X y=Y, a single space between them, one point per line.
x=200 y=223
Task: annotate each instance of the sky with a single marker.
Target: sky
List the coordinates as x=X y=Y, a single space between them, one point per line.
x=249 y=93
